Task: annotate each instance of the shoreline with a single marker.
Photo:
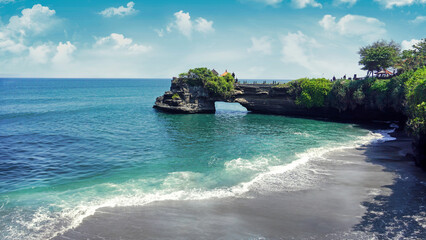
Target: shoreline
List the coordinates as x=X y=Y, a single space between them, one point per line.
x=351 y=193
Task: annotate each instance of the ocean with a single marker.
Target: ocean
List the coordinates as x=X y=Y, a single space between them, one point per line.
x=71 y=146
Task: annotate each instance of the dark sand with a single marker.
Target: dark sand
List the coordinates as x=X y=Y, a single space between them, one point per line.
x=371 y=192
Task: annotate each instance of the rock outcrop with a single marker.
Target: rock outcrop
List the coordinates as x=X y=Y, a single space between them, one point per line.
x=183 y=98
x=268 y=99
x=260 y=98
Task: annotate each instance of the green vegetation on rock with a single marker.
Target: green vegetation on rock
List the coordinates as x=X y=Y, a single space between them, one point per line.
x=413 y=59
x=308 y=92
x=175 y=96
x=379 y=55
x=314 y=92
x=217 y=86
x=416 y=101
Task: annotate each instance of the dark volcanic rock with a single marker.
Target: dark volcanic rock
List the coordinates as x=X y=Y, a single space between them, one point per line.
x=270 y=100
x=261 y=98
x=419 y=149
x=183 y=98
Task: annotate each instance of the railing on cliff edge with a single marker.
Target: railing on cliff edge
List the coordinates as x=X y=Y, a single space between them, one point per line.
x=277 y=82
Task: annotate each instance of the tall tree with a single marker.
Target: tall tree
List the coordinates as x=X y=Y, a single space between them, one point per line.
x=414 y=58
x=379 y=55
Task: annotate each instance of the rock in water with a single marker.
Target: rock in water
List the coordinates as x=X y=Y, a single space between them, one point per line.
x=184 y=98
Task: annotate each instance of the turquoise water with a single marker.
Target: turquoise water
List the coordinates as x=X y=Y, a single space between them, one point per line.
x=71 y=146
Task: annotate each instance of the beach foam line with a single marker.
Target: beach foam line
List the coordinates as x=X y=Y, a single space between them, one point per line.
x=379 y=136
x=46 y=224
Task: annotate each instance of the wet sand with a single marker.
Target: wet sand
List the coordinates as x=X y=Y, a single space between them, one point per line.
x=372 y=192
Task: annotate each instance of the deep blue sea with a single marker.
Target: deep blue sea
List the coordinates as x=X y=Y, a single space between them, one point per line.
x=71 y=146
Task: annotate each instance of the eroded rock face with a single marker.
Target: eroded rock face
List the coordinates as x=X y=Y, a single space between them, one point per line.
x=265 y=99
x=260 y=98
x=270 y=100
x=183 y=98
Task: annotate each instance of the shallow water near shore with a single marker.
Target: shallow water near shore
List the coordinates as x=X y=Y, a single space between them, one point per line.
x=69 y=147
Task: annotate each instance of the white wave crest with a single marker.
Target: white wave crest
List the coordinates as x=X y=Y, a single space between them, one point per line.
x=45 y=223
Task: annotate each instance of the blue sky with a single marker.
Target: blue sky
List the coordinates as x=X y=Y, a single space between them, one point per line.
x=273 y=39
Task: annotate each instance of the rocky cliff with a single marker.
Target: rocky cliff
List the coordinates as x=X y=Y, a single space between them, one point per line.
x=184 y=98
x=260 y=98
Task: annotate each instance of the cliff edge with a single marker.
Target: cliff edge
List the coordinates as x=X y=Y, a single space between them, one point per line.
x=262 y=98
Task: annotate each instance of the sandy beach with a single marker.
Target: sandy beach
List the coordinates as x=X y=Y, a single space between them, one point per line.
x=371 y=192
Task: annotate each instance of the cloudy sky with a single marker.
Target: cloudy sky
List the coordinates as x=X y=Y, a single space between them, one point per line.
x=273 y=39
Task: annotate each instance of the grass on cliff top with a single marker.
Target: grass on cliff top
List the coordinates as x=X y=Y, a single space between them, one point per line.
x=217 y=86
x=308 y=92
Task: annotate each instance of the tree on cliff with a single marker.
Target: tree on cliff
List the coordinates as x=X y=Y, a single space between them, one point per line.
x=378 y=56
x=414 y=58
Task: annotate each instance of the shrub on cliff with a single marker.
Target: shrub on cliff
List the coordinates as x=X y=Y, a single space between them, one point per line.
x=217 y=86
x=379 y=93
x=339 y=96
x=196 y=76
x=396 y=92
x=175 y=96
x=313 y=92
x=349 y=94
x=220 y=86
x=416 y=101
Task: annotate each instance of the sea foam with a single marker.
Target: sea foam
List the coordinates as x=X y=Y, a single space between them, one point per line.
x=46 y=223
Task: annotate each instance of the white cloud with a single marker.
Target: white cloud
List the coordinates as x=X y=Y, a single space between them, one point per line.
x=35 y=19
x=63 y=53
x=120 y=44
x=296 y=47
x=304 y=56
x=120 y=11
x=399 y=3
x=349 y=2
x=268 y=2
x=305 y=3
x=160 y=32
x=419 y=19
x=354 y=25
x=261 y=45
x=17 y=36
x=295 y=3
x=186 y=26
x=183 y=23
x=408 y=45
x=7 y=44
x=40 y=54
x=204 y=26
